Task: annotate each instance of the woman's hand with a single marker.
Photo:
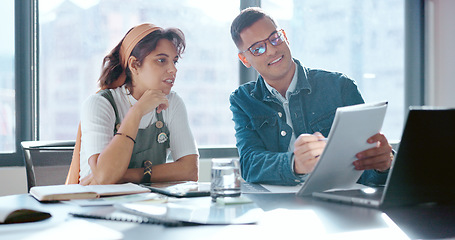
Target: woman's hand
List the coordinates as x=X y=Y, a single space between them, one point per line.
x=151 y=100
x=88 y=180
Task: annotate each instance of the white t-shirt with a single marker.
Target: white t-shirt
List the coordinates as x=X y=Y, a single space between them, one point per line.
x=98 y=119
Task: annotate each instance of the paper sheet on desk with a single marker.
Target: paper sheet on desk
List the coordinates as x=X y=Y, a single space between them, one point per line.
x=353 y=187
x=267 y=189
x=72 y=230
x=107 y=201
x=69 y=229
x=199 y=210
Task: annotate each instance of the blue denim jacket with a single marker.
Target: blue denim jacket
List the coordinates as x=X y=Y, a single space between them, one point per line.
x=263 y=136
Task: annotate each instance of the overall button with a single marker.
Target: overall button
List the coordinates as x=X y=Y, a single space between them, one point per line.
x=280 y=114
x=283 y=133
x=159 y=124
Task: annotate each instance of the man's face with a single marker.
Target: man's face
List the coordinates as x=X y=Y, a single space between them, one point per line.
x=273 y=65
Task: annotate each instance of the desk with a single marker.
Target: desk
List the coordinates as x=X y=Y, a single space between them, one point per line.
x=285 y=215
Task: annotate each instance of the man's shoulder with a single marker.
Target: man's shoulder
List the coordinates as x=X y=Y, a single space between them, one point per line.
x=318 y=78
x=244 y=90
x=317 y=74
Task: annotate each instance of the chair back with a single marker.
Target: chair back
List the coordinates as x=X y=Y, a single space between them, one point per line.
x=47 y=162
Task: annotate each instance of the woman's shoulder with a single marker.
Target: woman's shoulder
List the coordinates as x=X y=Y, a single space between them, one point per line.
x=98 y=101
x=94 y=99
x=176 y=105
x=173 y=96
x=116 y=93
x=175 y=99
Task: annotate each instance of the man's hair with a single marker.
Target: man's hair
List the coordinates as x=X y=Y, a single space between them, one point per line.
x=245 y=19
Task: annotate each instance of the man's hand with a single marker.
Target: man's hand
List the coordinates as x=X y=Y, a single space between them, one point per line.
x=307 y=150
x=378 y=157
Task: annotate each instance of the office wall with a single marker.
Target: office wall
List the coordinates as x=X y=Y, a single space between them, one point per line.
x=12 y=180
x=440 y=53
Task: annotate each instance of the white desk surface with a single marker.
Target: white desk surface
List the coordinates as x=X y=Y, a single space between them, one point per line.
x=285 y=215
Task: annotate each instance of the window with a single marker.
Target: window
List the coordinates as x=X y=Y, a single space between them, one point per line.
x=363 y=39
x=76 y=35
x=7 y=88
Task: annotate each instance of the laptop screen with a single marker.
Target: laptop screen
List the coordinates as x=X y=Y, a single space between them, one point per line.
x=424 y=167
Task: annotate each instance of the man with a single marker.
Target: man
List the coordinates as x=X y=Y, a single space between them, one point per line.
x=282 y=118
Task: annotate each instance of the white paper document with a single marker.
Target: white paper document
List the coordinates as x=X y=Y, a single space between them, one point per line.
x=106 y=201
x=266 y=188
x=351 y=128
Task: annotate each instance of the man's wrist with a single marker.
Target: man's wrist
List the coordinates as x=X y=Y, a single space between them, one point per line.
x=301 y=176
x=392 y=155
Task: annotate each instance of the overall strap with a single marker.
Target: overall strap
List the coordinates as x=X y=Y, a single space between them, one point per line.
x=106 y=93
x=159 y=116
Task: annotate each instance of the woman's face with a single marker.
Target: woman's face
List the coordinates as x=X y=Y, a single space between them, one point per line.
x=158 y=69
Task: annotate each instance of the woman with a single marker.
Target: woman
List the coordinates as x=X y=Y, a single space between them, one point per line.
x=135 y=120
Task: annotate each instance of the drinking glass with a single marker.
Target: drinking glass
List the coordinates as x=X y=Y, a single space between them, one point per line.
x=225 y=178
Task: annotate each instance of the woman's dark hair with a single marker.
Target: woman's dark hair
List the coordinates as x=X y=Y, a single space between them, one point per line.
x=245 y=19
x=112 y=67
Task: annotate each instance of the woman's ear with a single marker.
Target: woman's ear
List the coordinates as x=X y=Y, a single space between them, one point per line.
x=132 y=64
x=243 y=60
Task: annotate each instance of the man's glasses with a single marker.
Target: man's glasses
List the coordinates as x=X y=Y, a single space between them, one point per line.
x=259 y=48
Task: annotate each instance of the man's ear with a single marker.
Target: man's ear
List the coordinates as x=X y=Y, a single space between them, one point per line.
x=243 y=60
x=285 y=37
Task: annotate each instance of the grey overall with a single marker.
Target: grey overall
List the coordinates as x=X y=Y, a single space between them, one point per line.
x=151 y=142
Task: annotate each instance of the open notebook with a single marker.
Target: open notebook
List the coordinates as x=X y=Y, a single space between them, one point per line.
x=422 y=170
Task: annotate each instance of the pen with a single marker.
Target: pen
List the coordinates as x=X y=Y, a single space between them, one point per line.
x=321 y=139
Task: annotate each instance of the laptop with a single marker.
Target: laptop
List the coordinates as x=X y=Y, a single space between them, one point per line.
x=423 y=169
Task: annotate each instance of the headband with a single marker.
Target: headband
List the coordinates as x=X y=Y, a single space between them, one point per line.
x=129 y=42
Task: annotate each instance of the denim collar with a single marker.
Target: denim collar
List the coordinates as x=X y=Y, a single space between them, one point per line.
x=261 y=92
x=290 y=90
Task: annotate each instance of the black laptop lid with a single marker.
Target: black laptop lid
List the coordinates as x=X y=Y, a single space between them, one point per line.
x=424 y=167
